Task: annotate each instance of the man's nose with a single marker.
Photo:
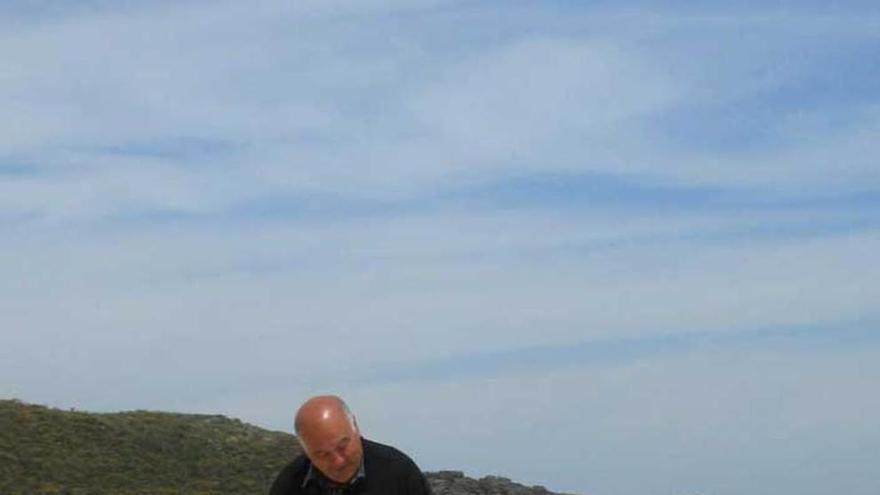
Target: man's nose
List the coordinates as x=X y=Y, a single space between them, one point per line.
x=338 y=459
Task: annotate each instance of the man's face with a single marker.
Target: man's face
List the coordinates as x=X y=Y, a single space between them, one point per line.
x=334 y=448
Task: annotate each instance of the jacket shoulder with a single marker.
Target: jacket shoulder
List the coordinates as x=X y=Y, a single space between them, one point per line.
x=387 y=454
x=382 y=451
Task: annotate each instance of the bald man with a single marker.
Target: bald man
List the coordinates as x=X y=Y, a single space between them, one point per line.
x=336 y=460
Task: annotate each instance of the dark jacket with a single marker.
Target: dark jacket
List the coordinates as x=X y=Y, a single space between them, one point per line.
x=387 y=471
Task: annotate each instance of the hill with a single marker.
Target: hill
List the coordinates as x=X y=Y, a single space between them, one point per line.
x=47 y=451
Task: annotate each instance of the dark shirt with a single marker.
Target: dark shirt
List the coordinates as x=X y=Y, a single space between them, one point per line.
x=384 y=471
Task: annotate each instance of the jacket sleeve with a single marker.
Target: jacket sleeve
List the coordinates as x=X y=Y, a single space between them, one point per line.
x=282 y=483
x=417 y=484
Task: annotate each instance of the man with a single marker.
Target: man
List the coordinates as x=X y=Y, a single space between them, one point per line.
x=336 y=460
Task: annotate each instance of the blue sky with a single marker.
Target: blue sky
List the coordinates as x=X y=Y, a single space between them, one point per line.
x=636 y=239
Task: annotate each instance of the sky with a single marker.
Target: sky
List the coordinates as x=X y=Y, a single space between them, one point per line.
x=610 y=248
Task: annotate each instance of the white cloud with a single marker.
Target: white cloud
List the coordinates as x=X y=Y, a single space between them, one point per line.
x=394 y=292
x=324 y=103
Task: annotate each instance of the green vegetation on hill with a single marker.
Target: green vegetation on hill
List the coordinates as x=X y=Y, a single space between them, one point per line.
x=48 y=451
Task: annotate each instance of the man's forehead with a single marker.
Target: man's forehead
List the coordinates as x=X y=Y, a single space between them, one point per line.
x=329 y=442
x=329 y=432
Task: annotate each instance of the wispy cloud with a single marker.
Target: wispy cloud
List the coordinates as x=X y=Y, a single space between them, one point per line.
x=617 y=352
x=322 y=103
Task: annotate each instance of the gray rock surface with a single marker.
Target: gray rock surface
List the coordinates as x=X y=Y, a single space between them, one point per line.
x=456 y=483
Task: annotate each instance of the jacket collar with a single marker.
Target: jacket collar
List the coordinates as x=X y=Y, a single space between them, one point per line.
x=314 y=474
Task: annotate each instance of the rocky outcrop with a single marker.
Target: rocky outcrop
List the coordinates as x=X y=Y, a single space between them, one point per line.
x=456 y=483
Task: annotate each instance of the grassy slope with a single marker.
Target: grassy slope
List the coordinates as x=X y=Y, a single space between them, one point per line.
x=44 y=451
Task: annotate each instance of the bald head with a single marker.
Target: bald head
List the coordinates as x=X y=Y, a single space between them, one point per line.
x=321 y=410
x=329 y=436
